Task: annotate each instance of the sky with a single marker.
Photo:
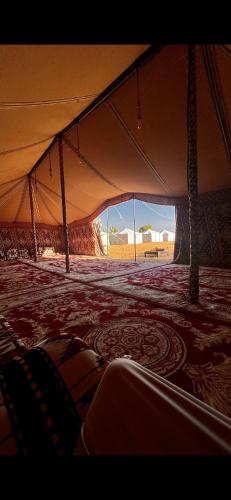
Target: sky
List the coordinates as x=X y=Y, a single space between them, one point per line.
x=121 y=216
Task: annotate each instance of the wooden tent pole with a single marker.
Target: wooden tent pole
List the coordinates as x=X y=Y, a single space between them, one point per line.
x=65 y=226
x=134 y=223
x=33 y=219
x=107 y=231
x=192 y=176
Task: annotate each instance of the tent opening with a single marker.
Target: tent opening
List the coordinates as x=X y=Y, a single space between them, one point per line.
x=138 y=230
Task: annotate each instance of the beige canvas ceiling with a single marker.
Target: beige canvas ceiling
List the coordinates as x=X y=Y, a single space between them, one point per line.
x=111 y=157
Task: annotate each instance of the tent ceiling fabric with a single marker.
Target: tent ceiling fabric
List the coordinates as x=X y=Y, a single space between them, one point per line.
x=35 y=73
x=114 y=157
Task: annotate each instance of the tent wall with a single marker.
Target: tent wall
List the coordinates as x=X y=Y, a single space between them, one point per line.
x=84 y=239
x=214 y=230
x=19 y=236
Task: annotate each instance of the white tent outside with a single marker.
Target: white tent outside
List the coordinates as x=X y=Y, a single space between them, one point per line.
x=105 y=240
x=167 y=235
x=150 y=235
x=125 y=236
x=157 y=236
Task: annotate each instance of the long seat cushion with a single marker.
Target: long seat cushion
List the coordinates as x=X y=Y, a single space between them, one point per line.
x=79 y=368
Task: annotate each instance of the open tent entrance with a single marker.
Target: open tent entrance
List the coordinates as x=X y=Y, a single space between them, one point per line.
x=138 y=230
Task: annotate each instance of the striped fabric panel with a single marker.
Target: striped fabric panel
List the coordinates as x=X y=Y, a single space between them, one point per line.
x=77 y=367
x=42 y=413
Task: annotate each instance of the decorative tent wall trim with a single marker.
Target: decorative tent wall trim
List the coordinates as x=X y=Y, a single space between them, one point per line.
x=16 y=239
x=213 y=228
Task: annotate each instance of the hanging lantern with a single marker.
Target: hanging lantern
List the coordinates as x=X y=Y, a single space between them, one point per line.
x=78 y=149
x=50 y=166
x=139 y=119
x=35 y=179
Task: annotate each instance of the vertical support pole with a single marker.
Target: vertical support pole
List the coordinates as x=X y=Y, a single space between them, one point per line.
x=107 y=231
x=134 y=223
x=65 y=226
x=33 y=219
x=192 y=176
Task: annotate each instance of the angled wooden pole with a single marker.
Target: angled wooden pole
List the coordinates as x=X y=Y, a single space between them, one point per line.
x=33 y=219
x=108 y=231
x=192 y=176
x=62 y=183
x=134 y=224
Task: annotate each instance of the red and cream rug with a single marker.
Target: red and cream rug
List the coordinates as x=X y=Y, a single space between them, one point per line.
x=192 y=352
x=20 y=278
x=91 y=269
x=168 y=286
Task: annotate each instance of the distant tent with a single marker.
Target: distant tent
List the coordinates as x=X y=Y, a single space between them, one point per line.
x=126 y=236
x=167 y=235
x=105 y=240
x=150 y=235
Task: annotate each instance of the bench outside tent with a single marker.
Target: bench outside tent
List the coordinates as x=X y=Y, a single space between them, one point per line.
x=156 y=252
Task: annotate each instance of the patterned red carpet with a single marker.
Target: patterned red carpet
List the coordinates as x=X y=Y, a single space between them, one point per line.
x=86 y=269
x=168 y=286
x=18 y=278
x=194 y=353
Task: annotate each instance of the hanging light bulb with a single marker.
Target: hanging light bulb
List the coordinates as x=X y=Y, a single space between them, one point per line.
x=50 y=166
x=139 y=119
x=78 y=150
x=35 y=178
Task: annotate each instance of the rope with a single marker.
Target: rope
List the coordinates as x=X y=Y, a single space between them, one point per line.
x=217 y=96
x=49 y=102
x=120 y=215
x=59 y=196
x=21 y=148
x=13 y=181
x=139 y=149
x=57 y=205
x=226 y=50
x=47 y=207
x=35 y=200
x=157 y=213
x=84 y=159
x=11 y=188
x=21 y=201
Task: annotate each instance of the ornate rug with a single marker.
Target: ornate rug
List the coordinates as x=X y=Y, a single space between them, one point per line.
x=91 y=269
x=194 y=354
x=11 y=346
x=21 y=278
x=7 y=263
x=168 y=286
